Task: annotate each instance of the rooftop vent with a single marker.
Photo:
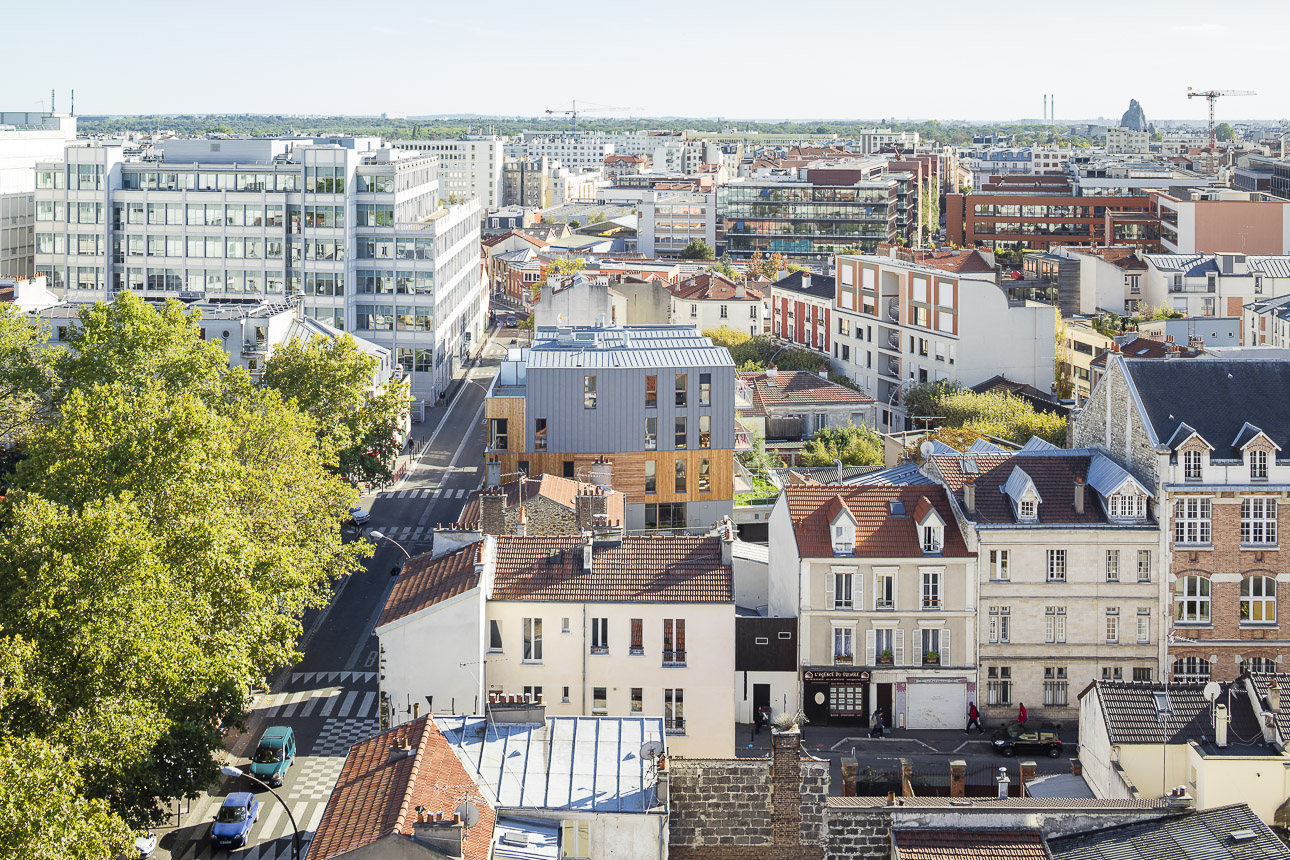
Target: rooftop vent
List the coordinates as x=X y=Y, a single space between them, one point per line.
x=897 y=508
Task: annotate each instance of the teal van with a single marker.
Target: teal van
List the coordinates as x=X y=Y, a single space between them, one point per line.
x=274 y=754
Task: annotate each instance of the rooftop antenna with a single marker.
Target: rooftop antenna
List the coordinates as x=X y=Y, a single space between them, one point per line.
x=52 y=108
x=73 y=103
x=468 y=813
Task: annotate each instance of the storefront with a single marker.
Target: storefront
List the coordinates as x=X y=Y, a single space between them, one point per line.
x=835 y=696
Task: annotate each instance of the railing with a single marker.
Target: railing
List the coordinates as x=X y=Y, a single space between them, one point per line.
x=894 y=340
x=599 y=649
x=843 y=549
x=882 y=603
x=893 y=368
x=674 y=726
x=673 y=658
x=843 y=659
x=931 y=603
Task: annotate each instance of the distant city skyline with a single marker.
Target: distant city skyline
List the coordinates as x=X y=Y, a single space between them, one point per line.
x=761 y=61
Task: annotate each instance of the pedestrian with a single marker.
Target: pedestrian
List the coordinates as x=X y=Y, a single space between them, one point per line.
x=1021 y=713
x=875 y=723
x=974 y=719
x=759 y=720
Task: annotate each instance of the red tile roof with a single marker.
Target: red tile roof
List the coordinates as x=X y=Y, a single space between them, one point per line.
x=557 y=489
x=426 y=581
x=961 y=262
x=879 y=533
x=377 y=794
x=659 y=569
x=1145 y=347
x=1053 y=474
x=497 y=240
x=798 y=388
x=713 y=287
x=956 y=844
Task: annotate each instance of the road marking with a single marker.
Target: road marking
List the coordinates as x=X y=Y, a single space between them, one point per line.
x=310 y=705
x=271 y=821
x=315 y=819
x=368 y=698
x=331 y=704
x=466 y=437
x=347 y=704
x=370 y=661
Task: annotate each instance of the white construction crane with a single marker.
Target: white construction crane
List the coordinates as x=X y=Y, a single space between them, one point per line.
x=573 y=111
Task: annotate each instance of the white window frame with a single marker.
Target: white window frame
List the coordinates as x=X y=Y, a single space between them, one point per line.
x=1258 y=465
x=1259 y=521
x=532 y=652
x=999 y=565
x=1056 y=566
x=1113 y=627
x=931 y=589
x=1112 y=565
x=1144 y=626
x=1193 y=525
x=844 y=645
x=1144 y=565
x=1258 y=604
x=1000 y=624
x=1056 y=687
x=1054 y=625
x=1192 y=600
x=1193 y=467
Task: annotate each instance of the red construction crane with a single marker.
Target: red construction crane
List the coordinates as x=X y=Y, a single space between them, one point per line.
x=1212 y=96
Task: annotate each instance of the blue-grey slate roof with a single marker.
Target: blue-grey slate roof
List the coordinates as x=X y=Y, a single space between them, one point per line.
x=1198 y=835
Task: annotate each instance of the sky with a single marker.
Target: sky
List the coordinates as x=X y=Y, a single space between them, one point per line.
x=751 y=59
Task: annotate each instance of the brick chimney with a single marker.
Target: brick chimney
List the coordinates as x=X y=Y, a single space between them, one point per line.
x=522 y=522
x=589 y=502
x=492 y=512
x=786 y=788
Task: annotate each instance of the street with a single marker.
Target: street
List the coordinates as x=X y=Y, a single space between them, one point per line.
x=330 y=697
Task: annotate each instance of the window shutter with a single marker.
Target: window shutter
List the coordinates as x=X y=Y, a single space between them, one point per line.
x=680 y=635
x=899 y=651
x=828 y=590
x=868 y=647
x=918 y=647
x=945 y=647
x=857 y=594
x=637 y=633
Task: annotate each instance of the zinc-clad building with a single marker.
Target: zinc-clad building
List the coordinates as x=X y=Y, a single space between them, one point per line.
x=648 y=410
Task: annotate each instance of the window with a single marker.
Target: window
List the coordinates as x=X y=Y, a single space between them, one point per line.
x=935 y=644
x=1142 y=674
x=495 y=636
x=705 y=431
x=841 y=591
x=886 y=596
x=1054 y=624
x=568 y=469
x=680 y=436
x=575 y=840
x=599 y=700
x=1259 y=600
x=539 y=434
x=651 y=391
x=1056 y=565
x=674 y=711
x=1144 y=565
x=998 y=564
x=1191 y=600
x=680 y=476
x=532 y=640
x=1191 y=465
x=705 y=389
x=932 y=537
x=1055 y=686
x=884 y=646
x=638 y=701
x=651 y=480
x=1259 y=520
x=694 y=311
x=1191 y=669
x=1261 y=664
x=637 y=645
x=843 y=645
x=1112 y=565
x=1000 y=624
x=1144 y=626
x=705 y=475
x=725 y=314
x=1125 y=506
x=588 y=392
x=1026 y=509
x=998 y=685
x=673 y=641
x=1192 y=521
x=1259 y=465
x=564 y=695
x=1112 y=626
x=497 y=433
x=931 y=589
x=564 y=625
x=680 y=389
x=667 y=515
x=600 y=636
x=651 y=434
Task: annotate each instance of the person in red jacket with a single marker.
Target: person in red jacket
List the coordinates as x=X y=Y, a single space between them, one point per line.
x=1021 y=713
x=974 y=719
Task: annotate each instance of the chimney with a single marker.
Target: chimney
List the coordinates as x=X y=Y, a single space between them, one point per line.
x=400 y=750
x=727 y=529
x=602 y=473
x=522 y=523
x=781 y=274
x=806 y=280
x=1079 y=496
x=493 y=473
x=439 y=832
x=1178 y=798
x=785 y=788
x=589 y=502
x=588 y=554
x=741 y=290
x=1196 y=342
x=824 y=371
x=1027 y=774
x=969 y=495
x=1274 y=696
x=1003 y=782
x=1220 y=725
x=492 y=512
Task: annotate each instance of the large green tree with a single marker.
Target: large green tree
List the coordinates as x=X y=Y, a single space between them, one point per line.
x=987 y=414
x=698 y=249
x=853 y=445
x=25 y=374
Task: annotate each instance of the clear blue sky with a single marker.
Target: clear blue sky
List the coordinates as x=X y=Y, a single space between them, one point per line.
x=749 y=59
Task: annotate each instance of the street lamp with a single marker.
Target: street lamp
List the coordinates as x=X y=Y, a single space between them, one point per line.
x=394 y=571
x=229 y=770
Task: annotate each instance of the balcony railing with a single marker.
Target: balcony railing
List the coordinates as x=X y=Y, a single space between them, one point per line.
x=884 y=603
x=674 y=725
x=743 y=437
x=673 y=658
x=931 y=603
x=843 y=659
x=894 y=340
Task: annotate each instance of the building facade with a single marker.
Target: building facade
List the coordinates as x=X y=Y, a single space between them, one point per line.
x=669 y=220
x=25 y=139
x=801 y=310
x=468 y=167
x=709 y=301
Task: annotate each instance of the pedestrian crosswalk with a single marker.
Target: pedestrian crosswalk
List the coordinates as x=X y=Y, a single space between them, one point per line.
x=298 y=678
x=408 y=533
x=270 y=837
x=429 y=493
x=328 y=702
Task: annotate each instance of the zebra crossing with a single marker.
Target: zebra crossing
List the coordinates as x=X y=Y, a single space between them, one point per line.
x=427 y=493
x=408 y=533
x=327 y=702
x=274 y=832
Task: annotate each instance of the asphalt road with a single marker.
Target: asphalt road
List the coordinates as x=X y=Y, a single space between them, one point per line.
x=330 y=697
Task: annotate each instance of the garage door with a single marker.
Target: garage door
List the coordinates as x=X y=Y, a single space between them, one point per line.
x=935 y=706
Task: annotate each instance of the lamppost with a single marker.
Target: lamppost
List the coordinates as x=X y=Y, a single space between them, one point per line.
x=394 y=571
x=229 y=770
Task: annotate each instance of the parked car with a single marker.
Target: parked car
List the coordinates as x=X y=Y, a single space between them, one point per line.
x=359 y=517
x=233 y=822
x=145 y=845
x=274 y=754
x=510 y=320
x=1016 y=738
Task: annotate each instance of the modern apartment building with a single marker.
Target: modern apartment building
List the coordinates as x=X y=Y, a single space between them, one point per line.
x=360 y=231
x=904 y=323
x=578 y=151
x=1067 y=573
x=1127 y=141
x=1206 y=437
x=883 y=587
x=1222 y=220
x=1090 y=280
x=468 y=167
x=25 y=138
x=667 y=221
x=648 y=411
x=1037 y=218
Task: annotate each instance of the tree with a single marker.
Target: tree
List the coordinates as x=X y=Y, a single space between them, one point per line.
x=1063 y=385
x=1224 y=131
x=853 y=445
x=988 y=414
x=597 y=217
x=762 y=267
x=575 y=224
x=757 y=459
x=566 y=266
x=330 y=379
x=26 y=367
x=724 y=267
x=697 y=250
x=754 y=352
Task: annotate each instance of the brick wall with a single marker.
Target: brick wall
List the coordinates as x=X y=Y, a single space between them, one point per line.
x=857 y=834
x=545 y=517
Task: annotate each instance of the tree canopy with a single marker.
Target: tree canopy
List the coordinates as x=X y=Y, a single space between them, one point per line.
x=853 y=445
x=988 y=414
x=1224 y=131
x=698 y=249
x=754 y=352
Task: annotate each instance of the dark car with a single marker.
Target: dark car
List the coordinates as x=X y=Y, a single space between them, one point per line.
x=510 y=321
x=1016 y=738
x=233 y=821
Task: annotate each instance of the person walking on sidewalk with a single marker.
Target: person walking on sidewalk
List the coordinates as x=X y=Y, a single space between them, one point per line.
x=1021 y=713
x=974 y=719
x=875 y=723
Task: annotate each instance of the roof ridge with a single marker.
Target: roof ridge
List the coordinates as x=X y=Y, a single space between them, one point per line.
x=410 y=787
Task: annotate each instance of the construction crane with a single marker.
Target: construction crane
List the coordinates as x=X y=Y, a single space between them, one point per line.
x=1212 y=96
x=574 y=112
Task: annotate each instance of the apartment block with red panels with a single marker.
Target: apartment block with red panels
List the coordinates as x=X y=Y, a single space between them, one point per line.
x=802 y=304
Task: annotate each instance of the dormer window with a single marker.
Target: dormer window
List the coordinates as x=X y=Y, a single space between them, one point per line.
x=933 y=538
x=1126 y=506
x=1258 y=465
x=1191 y=465
x=1026 y=509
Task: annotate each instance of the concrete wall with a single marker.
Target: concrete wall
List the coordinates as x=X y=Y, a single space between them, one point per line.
x=633 y=836
x=584 y=303
x=439 y=653
x=1261 y=781
x=783 y=695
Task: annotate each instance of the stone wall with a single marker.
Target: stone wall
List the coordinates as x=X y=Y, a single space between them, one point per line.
x=545 y=518
x=1109 y=420
x=855 y=834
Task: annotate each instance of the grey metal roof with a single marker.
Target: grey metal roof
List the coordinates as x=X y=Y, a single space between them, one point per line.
x=981 y=446
x=1273 y=266
x=635 y=346
x=1106 y=476
x=1208 y=834
x=525 y=839
x=1187 y=264
x=1037 y=444
x=589 y=764
x=1017 y=483
x=907 y=474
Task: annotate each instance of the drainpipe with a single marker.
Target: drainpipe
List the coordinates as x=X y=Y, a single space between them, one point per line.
x=584 y=660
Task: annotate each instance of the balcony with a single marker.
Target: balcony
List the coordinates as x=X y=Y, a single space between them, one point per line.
x=893 y=338
x=892 y=369
x=743 y=437
x=884 y=603
x=674 y=726
x=673 y=658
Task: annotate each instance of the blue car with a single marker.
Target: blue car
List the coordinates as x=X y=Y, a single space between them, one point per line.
x=510 y=320
x=233 y=821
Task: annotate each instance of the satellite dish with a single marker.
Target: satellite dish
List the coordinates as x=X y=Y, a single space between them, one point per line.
x=927 y=449
x=651 y=749
x=468 y=813
x=1211 y=691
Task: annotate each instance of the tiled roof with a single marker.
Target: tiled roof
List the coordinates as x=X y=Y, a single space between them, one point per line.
x=713 y=287
x=879 y=533
x=927 y=844
x=824 y=474
x=964 y=262
x=905 y=473
x=818 y=286
x=660 y=569
x=1011 y=803
x=1200 y=835
x=376 y=794
x=798 y=388
x=1144 y=347
x=426 y=581
x=1052 y=472
x=1129 y=709
x=557 y=489
x=1235 y=392
x=497 y=240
